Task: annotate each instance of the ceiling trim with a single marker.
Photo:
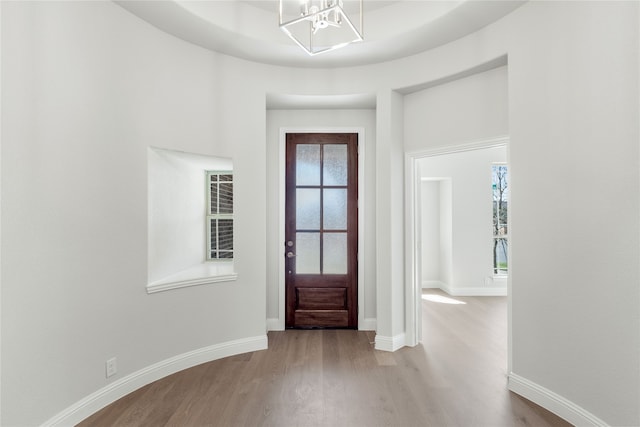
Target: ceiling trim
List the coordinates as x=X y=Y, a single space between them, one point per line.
x=501 y=61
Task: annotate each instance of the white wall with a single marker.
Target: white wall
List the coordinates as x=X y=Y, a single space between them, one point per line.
x=87 y=88
x=390 y=217
x=469 y=173
x=446 y=231
x=320 y=119
x=430 y=205
x=470 y=109
x=90 y=88
x=573 y=108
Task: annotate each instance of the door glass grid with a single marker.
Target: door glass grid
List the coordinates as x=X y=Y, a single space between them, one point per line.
x=321 y=208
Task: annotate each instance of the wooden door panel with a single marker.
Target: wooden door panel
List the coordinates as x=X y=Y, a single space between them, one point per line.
x=321 y=222
x=321 y=318
x=321 y=298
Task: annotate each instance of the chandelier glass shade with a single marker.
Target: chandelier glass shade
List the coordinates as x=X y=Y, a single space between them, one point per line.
x=319 y=26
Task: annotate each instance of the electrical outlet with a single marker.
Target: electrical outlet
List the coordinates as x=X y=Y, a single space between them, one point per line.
x=111 y=367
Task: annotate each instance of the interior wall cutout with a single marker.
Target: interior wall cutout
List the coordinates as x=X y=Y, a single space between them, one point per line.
x=176 y=210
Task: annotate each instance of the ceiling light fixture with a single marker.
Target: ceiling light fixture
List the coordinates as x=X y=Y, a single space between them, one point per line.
x=319 y=26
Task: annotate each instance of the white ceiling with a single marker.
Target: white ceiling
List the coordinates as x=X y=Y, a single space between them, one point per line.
x=248 y=29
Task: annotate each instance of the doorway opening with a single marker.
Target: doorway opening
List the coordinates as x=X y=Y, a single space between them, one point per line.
x=453 y=251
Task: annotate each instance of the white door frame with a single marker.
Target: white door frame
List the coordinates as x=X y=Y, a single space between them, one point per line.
x=413 y=274
x=282 y=162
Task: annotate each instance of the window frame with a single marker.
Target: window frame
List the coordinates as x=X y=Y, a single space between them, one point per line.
x=210 y=216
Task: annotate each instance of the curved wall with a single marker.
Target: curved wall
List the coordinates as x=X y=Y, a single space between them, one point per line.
x=86 y=89
x=90 y=87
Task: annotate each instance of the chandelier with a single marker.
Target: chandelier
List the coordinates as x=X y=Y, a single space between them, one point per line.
x=319 y=26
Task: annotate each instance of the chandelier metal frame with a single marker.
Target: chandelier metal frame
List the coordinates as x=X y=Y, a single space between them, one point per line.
x=321 y=15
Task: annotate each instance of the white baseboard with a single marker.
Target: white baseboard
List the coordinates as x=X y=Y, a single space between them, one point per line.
x=369 y=324
x=483 y=291
x=478 y=292
x=120 y=388
x=446 y=288
x=432 y=284
x=274 y=324
x=553 y=402
x=390 y=343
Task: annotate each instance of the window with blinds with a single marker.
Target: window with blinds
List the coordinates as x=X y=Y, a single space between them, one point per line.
x=219 y=215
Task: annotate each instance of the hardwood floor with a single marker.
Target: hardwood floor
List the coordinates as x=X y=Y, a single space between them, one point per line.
x=457 y=377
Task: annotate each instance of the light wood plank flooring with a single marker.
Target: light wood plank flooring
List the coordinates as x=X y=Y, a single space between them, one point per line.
x=457 y=377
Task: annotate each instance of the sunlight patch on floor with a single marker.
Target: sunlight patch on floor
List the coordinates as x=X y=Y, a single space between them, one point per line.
x=441 y=299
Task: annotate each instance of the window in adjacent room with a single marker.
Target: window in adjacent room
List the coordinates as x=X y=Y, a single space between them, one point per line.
x=219 y=215
x=500 y=214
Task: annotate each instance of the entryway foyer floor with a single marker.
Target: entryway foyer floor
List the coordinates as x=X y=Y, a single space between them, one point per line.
x=457 y=377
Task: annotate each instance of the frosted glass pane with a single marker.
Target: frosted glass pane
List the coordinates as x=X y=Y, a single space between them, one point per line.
x=335 y=164
x=308 y=164
x=335 y=253
x=308 y=253
x=308 y=209
x=335 y=209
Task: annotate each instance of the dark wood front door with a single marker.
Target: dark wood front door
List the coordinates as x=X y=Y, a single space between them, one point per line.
x=321 y=227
